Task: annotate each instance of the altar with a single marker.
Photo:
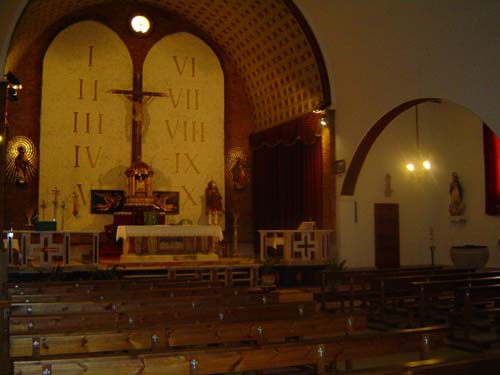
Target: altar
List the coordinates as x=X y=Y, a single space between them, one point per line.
x=143 y=242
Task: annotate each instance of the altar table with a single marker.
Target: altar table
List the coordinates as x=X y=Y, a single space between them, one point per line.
x=127 y=232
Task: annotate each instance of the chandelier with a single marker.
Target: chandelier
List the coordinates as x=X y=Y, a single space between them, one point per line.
x=421 y=163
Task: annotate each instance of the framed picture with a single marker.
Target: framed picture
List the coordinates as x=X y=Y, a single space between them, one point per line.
x=106 y=201
x=167 y=201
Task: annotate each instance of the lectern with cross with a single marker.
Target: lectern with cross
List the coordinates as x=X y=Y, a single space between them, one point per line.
x=139 y=174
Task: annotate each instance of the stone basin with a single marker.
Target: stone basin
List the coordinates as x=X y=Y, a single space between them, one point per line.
x=470 y=256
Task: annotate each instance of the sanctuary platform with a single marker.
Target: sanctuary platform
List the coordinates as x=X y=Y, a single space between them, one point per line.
x=177 y=252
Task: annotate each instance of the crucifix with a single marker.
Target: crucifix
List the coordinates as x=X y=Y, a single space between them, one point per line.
x=138 y=98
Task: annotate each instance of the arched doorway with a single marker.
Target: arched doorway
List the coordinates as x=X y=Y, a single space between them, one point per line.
x=452 y=137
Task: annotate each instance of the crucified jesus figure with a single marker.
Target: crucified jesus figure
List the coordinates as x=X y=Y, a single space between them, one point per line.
x=138 y=99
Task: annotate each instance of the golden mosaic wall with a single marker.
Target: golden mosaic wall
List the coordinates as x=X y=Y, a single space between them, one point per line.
x=263 y=38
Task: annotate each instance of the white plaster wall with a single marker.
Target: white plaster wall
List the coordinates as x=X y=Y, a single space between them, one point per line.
x=451 y=137
x=379 y=54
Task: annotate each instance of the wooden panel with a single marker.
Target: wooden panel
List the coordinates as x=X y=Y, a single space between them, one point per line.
x=386 y=235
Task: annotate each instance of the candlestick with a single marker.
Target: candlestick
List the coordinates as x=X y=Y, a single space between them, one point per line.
x=63 y=206
x=44 y=206
x=236 y=216
x=432 y=246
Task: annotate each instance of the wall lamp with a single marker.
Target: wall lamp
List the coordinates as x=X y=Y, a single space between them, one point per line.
x=13 y=86
x=324 y=120
x=322 y=109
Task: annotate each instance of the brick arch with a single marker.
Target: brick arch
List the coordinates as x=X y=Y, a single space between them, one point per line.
x=269 y=42
x=369 y=139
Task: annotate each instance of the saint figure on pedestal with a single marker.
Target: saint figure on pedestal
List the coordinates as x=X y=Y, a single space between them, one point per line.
x=213 y=200
x=456 y=207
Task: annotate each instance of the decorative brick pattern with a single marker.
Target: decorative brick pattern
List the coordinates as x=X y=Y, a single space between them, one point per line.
x=262 y=38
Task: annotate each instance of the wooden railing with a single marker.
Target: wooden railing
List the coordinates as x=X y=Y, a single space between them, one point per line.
x=46 y=248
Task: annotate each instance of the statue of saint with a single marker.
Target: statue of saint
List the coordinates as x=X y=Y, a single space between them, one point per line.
x=213 y=200
x=21 y=165
x=457 y=206
x=239 y=175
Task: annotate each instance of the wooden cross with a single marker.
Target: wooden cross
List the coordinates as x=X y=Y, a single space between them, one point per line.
x=306 y=246
x=137 y=97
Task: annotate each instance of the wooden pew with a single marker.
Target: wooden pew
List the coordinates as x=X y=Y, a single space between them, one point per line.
x=487 y=363
x=473 y=303
x=168 y=335
x=409 y=295
x=68 y=322
x=433 y=292
x=149 y=303
x=110 y=295
x=317 y=352
x=360 y=285
x=4 y=338
x=104 y=286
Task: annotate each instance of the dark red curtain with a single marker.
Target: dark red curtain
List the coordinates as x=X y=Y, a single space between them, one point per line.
x=287 y=174
x=491 y=145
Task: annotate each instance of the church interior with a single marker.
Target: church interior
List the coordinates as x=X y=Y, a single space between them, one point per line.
x=249 y=186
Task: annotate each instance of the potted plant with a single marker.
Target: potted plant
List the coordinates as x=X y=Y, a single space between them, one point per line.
x=267 y=271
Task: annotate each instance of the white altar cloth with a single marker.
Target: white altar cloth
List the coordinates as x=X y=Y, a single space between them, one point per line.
x=127 y=231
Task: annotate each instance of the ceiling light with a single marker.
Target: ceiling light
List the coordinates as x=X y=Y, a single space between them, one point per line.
x=140 y=24
x=424 y=163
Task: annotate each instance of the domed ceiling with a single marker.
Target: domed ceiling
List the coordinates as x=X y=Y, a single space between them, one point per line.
x=267 y=40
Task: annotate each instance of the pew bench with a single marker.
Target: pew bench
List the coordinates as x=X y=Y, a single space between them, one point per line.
x=103 y=286
x=437 y=297
x=487 y=363
x=320 y=353
x=167 y=292
x=138 y=318
x=362 y=287
x=402 y=298
x=149 y=304
x=476 y=313
x=170 y=335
